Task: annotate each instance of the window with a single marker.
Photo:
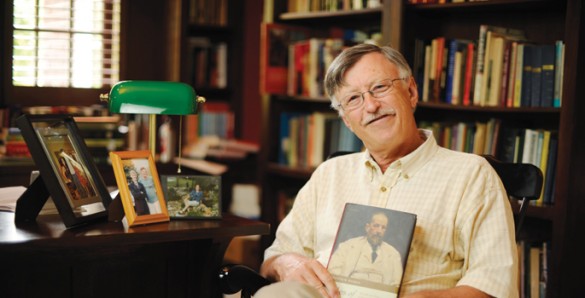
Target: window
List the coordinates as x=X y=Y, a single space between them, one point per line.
x=66 y=43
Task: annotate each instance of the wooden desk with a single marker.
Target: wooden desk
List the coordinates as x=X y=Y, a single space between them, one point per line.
x=179 y=258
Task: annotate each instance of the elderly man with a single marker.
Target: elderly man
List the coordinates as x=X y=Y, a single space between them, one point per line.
x=463 y=245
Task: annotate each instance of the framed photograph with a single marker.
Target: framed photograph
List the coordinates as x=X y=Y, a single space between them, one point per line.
x=139 y=185
x=192 y=197
x=67 y=169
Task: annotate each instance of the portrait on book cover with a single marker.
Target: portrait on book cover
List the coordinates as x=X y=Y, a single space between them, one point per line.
x=192 y=197
x=370 y=250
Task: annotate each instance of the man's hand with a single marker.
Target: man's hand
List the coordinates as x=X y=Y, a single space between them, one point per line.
x=295 y=267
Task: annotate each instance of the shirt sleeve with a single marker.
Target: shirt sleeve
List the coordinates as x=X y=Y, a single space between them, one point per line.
x=486 y=237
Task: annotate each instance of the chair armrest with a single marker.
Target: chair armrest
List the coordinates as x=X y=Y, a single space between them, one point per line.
x=235 y=278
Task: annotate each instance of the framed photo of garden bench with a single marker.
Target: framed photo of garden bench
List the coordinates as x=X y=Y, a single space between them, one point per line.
x=192 y=197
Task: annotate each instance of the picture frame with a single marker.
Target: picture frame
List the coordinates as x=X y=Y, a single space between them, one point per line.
x=182 y=199
x=68 y=172
x=138 y=182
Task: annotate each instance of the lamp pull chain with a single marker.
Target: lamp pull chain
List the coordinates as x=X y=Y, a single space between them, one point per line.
x=180 y=145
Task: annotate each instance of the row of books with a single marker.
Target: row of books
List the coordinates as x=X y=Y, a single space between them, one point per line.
x=440 y=1
x=533 y=268
x=293 y=62
x=307 y=139
x=535 y=146
x=478 y=137
x=207 y=63
x=509 y=144
x=208 y=12
x=216 y=123
x=308 y=61
x=331 y=5
x=100 y=132
x=501 y=68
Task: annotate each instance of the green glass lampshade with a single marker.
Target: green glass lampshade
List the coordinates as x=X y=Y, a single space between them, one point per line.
x=153 y=97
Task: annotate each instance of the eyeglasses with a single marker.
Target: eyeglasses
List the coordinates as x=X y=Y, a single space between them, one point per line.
x=355 y=100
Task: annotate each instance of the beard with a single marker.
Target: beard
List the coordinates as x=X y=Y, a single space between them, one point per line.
x=375 y=240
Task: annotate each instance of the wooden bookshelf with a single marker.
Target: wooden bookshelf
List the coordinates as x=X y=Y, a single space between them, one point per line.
x=544 y=21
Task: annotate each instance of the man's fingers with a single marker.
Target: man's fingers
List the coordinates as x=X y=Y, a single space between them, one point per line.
x=327 y=285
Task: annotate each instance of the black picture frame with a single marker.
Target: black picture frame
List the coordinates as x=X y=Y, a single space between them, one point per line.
x=67 y=172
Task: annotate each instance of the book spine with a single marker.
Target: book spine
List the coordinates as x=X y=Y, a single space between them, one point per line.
x=547 y=84
x=536 y=76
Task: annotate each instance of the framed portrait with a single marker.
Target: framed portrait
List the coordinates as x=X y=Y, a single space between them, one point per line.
x=67 y=171
x=192 y=197
x=139 y=187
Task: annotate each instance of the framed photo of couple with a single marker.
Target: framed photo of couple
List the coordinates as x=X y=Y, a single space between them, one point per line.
x=139 y=185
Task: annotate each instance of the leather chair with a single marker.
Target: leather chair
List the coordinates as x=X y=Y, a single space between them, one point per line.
x=521 y=181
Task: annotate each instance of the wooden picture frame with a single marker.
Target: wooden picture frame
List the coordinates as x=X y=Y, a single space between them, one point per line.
x=67 y=172
x=135 y=193
x=182 y=205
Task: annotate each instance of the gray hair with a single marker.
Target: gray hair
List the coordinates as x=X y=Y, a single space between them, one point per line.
x=349 y=57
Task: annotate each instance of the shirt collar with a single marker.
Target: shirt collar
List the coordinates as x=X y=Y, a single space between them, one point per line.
x=412 y=162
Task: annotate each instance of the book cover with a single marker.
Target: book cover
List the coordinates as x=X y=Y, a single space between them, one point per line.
x=370 y=250
x=274 y=47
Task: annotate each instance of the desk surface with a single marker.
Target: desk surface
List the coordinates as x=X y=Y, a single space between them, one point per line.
x=50 y=230
x=181 y=258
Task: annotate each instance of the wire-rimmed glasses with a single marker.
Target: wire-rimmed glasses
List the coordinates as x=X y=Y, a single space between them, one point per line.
x=355 y=100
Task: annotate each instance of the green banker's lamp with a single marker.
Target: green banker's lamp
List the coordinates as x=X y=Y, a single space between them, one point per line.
x=153 y=98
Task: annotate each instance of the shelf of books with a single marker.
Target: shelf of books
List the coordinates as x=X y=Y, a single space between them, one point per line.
x=494 y=77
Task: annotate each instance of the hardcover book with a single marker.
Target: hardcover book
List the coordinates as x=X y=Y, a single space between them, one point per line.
x=370 y=251
x=274 y=47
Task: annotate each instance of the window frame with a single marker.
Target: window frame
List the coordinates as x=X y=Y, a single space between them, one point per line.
x=11 y=95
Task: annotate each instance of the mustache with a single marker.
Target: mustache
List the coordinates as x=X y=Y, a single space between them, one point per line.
x=379 y=114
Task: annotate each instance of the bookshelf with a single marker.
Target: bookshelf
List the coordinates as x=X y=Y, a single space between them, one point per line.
x=280 y=180
x=401 y=23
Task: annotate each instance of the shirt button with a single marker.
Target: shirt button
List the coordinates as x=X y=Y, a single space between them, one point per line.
x=383 y=188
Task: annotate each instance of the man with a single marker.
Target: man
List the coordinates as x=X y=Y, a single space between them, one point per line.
x=368 y=257
x=193 y=199
x=151 y=197
x=463 y=244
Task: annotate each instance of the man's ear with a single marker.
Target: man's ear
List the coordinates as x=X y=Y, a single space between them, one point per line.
x=412 y=92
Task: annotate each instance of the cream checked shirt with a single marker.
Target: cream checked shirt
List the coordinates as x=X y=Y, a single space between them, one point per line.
x=464 y=232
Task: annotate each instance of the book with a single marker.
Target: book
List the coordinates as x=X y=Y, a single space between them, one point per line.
x=536 y=78
x=275 y=40
x=549 y=180
x=559 y=69
x=482 y=70
x=469 y=71
x=361 y=270
x=547 y=81
x=525 y=97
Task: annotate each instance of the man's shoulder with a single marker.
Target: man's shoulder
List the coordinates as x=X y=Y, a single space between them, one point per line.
x=460 y=158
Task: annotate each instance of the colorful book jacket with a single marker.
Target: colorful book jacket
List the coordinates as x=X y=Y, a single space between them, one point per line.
x=371 y=247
